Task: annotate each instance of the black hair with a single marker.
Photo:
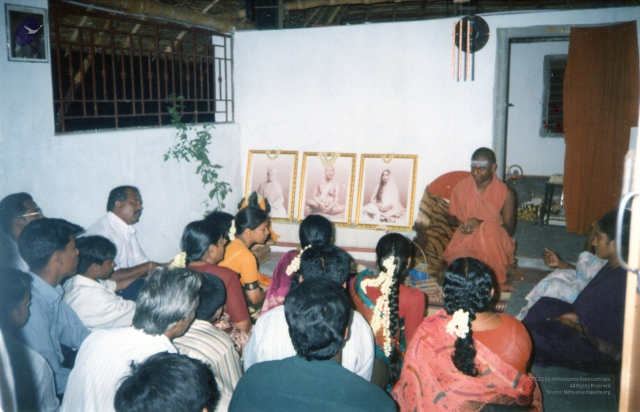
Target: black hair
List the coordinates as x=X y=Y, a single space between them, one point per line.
x=167 y=297
x=467 y=286
x=12 y=207
x=484 y=153
x=249 y=218
x=327 y=261
x=14 y=286
x=197 y=237
x=94 y=249
x=222 y=220
x=398 y=246
x=315 y=230
x=317 y=312
x=168 y=382
x=41 y=238
x=212 y=296
x=607 y=225
x=254 y=201
x=119 y=194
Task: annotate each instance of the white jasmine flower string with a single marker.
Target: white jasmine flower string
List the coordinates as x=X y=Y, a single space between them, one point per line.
x=294 y=266
x=459 y=324
x=180 y=261
x=232 y=230
x=381 y=314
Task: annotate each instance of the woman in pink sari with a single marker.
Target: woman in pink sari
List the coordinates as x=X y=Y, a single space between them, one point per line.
x=465 y=357
x=315 y=230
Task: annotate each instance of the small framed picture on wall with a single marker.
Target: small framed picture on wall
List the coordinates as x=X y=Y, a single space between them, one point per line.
x=386 y=191
x=327 y=186
x=27 y=33
x=272 y=174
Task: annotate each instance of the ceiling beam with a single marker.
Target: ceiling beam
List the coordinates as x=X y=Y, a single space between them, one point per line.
x=302 y=5
x=154 y=9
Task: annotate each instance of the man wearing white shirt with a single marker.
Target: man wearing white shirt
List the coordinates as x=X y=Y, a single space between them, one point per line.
x=165 y=308
x=270 y=336
x=124 y=208
x=91 y=294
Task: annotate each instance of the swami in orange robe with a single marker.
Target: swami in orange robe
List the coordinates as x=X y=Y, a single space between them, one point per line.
x=489 y=243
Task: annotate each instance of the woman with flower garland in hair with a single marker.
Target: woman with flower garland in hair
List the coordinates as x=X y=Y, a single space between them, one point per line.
x=465 y=357
x=393 y=310
x=251 y=227
x=203 y=245
x=315 y=230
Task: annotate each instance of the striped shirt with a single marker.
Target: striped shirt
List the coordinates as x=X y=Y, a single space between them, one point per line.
x=206 y=343
x=103 y=360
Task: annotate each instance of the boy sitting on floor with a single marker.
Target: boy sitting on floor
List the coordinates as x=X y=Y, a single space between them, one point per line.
x=90 y=294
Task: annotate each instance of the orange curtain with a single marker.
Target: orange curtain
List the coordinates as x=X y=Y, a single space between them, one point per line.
x=600 y=107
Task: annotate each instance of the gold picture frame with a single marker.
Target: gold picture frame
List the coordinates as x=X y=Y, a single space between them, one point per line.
x=272 y=173
x=392 y=205
x=336 y=192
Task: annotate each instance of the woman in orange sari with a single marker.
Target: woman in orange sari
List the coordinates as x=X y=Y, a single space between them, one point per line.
x=465 y=357
x=251 y=227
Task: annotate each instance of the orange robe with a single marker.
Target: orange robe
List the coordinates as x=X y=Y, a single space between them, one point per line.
x=489 y=243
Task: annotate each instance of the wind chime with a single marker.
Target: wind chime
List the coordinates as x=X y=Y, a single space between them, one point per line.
x=470 y=34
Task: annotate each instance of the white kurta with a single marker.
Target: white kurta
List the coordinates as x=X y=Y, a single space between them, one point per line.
x=270 y=341
x=96 y=303
x=130 y=253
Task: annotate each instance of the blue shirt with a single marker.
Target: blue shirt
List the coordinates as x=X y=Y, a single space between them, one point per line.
x=52 y=322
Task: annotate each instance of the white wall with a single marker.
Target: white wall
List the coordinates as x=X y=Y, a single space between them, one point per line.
x=376 y=88
x=70 y=176
x=542 y=156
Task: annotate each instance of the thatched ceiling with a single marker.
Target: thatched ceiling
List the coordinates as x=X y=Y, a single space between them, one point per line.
x=241 y=14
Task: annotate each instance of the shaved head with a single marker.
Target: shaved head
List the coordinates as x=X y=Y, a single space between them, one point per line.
x=484 y=153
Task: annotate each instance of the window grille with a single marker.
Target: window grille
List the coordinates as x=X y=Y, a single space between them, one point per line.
x=111 y=71
x=552 y=108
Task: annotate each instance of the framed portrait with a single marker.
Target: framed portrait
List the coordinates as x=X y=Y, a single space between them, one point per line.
x=273 y=175
x=27 y=33
x=327 y=186
x=386 y=191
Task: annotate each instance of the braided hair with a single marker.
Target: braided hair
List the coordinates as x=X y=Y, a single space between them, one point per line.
x=467 y=286
x=398 y=246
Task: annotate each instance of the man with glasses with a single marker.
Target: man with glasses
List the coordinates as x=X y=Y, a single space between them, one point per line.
x=483 y=209
x=124 y=208
x=17 y=210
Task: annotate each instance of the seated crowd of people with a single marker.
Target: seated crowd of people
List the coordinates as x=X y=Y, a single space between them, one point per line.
x=89 y=323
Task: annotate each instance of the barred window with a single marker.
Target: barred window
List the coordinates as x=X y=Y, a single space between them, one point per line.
x=111 y=71
x=552 y=113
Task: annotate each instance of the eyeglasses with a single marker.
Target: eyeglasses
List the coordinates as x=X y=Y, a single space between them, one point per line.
x=36 y=213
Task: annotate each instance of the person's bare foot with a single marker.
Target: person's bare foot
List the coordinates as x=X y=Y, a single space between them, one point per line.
x=514 y=276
